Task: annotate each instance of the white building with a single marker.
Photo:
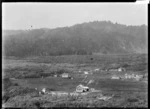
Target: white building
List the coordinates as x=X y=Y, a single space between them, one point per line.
x=96 y=70
x=121 y=69
x=115 y=77
x=85 y=72
x=43 y=91
x=65 y=75
x=81 y=88
x=137 y=77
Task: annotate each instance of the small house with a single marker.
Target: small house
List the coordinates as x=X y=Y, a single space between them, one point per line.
x=126 y=76
x=115 y=77
x=141 y=76
x=113 y=70
x=43 y=91
x=138 y=77
x=65 y=75
x=121 y=69
x=96 y=70
x=81 y=88
x=85 y=72
x=12 y=78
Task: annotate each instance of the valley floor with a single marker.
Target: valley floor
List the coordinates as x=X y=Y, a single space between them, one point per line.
x=24 y=78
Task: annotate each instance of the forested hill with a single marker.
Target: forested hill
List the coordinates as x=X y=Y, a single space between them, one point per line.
x=98 y=36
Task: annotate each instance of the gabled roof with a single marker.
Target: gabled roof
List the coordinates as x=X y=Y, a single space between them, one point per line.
x=81 y=86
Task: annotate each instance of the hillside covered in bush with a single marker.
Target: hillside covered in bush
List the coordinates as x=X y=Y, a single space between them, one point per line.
x=103 y=37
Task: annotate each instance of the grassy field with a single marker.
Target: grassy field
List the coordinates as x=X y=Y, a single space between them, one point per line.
x=22 y=75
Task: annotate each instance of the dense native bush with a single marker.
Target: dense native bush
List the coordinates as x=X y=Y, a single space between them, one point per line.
x=132 y=100
x=7 y=83
x=17 y=90
x=33 y=72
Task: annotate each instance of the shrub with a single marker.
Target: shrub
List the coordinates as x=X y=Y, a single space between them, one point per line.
x=17 y=90
x=32 y=75
x=5 y=98
x=51 y=89
x=132 y=100
x=37 y=104
x=7 y=83
x=25 y=104
x=45 y=74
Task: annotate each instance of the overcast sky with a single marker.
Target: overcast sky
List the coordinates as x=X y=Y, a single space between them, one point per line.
x=52 y=15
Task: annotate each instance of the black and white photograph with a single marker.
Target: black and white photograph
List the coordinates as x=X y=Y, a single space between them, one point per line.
x=74 y=54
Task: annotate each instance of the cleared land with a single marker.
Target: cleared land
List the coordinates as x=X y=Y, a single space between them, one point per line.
x=22 y=75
